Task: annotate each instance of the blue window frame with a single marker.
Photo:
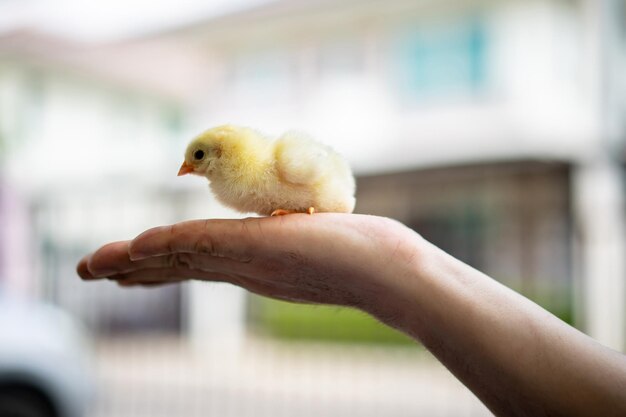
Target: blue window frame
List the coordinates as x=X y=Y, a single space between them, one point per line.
x=441 y=59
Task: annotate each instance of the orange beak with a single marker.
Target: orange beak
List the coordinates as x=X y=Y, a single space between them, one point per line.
x=185 y=169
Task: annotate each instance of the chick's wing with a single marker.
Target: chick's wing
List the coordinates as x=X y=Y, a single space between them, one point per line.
x=300 y=159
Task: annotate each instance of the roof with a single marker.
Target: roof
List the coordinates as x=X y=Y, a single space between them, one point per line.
x=130 y=64
x=298 y=14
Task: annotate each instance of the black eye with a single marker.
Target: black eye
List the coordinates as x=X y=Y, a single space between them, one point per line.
x=198 y=155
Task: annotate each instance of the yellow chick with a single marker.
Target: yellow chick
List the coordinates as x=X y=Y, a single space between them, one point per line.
x=252 y=173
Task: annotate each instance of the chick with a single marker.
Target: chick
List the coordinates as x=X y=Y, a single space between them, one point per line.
x=254 y=174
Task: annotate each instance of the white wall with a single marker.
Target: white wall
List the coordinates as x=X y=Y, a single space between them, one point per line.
x=534 y=102
x=542 y=99
x=70 y=129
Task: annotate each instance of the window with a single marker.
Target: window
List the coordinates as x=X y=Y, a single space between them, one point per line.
x=441 y=60
x=462 y=231
x=30 y=106
x=510 y=220
x=173 y=119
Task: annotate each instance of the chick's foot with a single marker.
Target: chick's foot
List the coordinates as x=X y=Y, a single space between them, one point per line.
x=282 y=212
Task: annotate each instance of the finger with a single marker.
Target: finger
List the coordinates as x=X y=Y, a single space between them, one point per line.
x=149 y=284
x=108 y=260
x=168 y=275
x=233 y=239
x=113 y=259
x=83 y=271
x=155 y=277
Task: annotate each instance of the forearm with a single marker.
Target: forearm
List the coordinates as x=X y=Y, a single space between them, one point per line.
x=515 y=356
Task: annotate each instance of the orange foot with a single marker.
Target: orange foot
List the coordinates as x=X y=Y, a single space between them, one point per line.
x=282 y=212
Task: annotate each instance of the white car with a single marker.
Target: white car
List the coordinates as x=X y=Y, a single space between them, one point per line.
x=44 y=362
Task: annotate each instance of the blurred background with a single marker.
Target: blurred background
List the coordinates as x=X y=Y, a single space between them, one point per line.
x=496 y=129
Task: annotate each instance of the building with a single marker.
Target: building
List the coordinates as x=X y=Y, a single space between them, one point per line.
x=84 y=133
x=496 y=129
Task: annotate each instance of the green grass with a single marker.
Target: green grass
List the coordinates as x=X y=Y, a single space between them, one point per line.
x=297 y=322
x=557 y=300
x=321 y=323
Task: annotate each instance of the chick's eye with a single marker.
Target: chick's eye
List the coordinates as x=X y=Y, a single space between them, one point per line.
x=198 y=155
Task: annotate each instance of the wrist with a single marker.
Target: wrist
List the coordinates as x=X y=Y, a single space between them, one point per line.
x=396 y=276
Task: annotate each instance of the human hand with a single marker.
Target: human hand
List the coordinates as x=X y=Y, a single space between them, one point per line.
x=515 y=356
x=325 y=258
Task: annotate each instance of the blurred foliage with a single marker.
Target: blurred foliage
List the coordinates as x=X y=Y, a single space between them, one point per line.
x=557 y=299
x=564 y=313
x=562 y=307
x=299 y=322
x=320 y=323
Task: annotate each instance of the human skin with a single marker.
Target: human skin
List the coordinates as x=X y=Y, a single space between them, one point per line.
x=519 y=359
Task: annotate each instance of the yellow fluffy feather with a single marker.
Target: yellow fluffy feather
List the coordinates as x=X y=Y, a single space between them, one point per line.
x=255 y=174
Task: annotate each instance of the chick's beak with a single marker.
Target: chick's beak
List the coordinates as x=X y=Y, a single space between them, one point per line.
x=185 y=169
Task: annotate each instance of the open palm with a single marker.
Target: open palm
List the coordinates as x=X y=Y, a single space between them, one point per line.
x=322 y=258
